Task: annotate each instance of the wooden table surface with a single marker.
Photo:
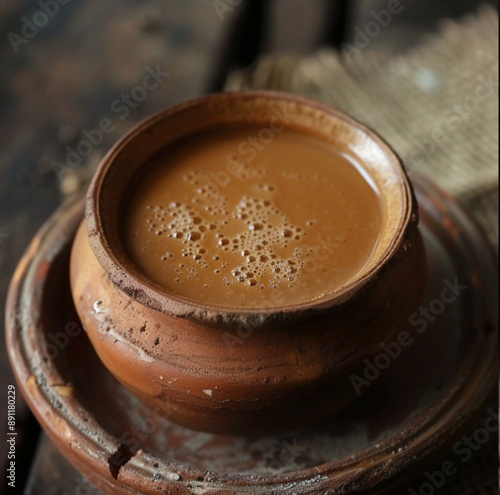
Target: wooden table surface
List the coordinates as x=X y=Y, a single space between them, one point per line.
x=65 y=71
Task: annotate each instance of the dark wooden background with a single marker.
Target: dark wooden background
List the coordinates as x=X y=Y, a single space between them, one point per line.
x=65 y=78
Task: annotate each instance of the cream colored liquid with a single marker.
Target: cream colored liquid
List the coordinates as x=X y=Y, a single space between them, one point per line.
x=227 y=218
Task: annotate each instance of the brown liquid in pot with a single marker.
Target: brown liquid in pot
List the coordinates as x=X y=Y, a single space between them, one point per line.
x=244 y=218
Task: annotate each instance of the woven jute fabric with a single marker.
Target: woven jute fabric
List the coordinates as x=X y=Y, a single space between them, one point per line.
x=436 y=105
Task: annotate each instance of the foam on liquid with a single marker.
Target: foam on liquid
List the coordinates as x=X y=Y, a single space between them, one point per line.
x=223 y=217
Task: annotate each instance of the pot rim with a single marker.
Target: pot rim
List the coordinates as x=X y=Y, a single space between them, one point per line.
x=111 y=255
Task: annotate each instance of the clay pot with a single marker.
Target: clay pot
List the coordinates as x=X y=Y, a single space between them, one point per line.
x=231 y=371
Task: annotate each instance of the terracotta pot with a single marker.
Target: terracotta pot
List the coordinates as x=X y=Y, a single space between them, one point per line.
x=229 y=371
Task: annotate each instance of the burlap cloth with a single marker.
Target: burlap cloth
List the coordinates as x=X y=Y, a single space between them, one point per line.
x=437 y=105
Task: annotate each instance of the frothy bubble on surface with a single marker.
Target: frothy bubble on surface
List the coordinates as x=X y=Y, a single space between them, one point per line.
x=264 y=230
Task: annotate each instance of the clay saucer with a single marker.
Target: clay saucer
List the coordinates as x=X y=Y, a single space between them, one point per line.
x=413 y=407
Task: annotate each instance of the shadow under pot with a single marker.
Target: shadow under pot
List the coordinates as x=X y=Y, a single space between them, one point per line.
x=242 y=255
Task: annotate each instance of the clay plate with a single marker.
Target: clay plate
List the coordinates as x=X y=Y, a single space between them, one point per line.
x=419 y=405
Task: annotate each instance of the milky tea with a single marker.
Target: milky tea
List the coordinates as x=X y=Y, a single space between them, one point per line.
x=222 y=218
